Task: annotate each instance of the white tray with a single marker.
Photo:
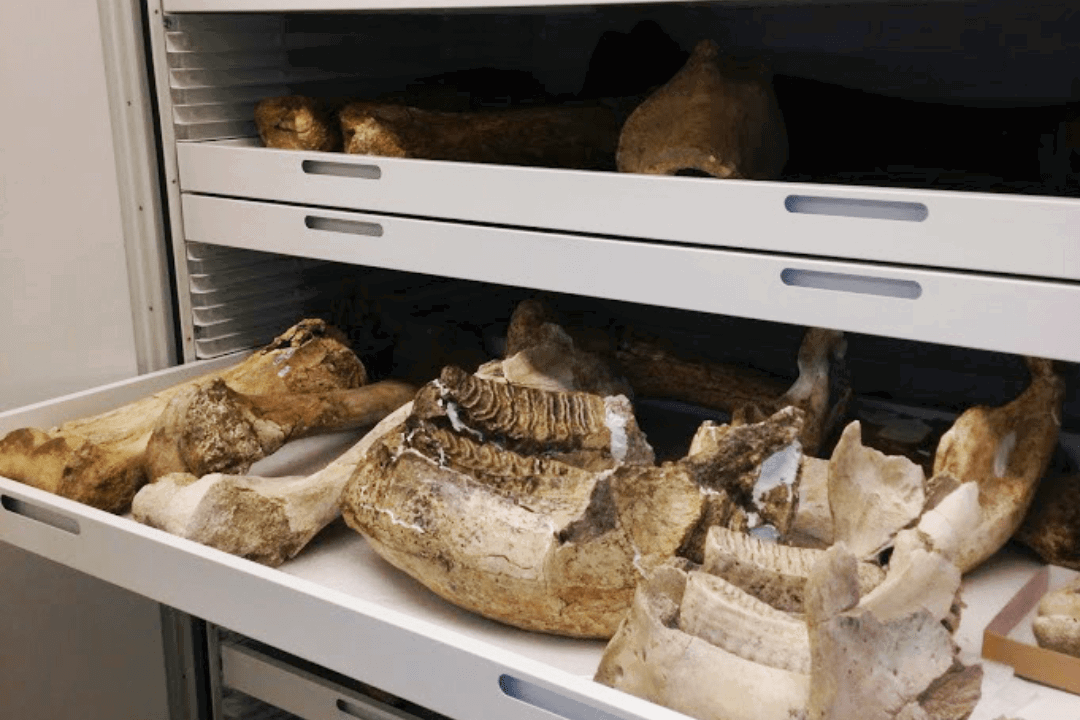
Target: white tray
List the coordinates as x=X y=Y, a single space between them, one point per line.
x=1010 y=234
x=965 y=309
x=341 y=607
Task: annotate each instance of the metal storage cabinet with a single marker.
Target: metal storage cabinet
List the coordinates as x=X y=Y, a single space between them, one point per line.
x=942 y=267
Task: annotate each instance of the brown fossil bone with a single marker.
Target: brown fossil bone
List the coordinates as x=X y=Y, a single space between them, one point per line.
x=209 y=428
x=1052 y=525
x=570 y=136
x=1006 y=451
x=99 y=460
x=713 y=117
x=882 y=658
x=1057 y=625
x=268 y=520
x=295 y=122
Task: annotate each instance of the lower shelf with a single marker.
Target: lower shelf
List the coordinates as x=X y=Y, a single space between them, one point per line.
x=339 y=606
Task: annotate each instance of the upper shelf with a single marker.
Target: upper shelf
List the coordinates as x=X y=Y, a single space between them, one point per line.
x=363 y=5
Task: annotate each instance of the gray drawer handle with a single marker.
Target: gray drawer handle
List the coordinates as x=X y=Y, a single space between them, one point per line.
x=550 y=700
x=44 y=515
x=857 y=208
x=861 y=284
x=349 y=227
x=340 y=169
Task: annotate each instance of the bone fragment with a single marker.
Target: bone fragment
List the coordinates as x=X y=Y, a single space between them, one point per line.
x=813 y=526
x=571 y=136
x=1005 y=450
x=1057 y=625
x=211 y=429
x=1052 y=525
x=99 y=460
x=872 y=496
x=651 y=658
x=733 y=620
x=878 y=663
x=268 y=520
x=775 y=574
x=295 y=122
x=713 y=117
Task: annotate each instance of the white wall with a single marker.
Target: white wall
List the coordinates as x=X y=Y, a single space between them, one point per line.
x=71 y=647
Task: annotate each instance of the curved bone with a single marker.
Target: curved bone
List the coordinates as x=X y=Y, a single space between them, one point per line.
x=268 y=520
x=1057 y=625
x=715 y=610
x=1004 y=450
x=711 y=117
x=651 y=658
x=872 y=496
x=212 y=429
x=880 y=663
x=1052 y=526
x=821 y=390
x=99 y=460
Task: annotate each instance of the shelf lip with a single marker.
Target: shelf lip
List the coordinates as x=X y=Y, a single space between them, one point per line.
x=210 y=6
x=1025 y=235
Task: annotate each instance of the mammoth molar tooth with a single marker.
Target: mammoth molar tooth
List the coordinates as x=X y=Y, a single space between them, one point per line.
x=1057 y=625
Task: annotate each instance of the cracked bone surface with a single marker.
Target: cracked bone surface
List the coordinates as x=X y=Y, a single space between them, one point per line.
x=813 y=525
x=1057 y=625
x=775 y=574
x=894 y=661
x=265 y=519
x=209 y=428
x=820 y=391
x=872 y=496
x=570 y=136
x=651 y=657
x=295 y=122
x=712 y=117
x=1005 y=450
x=99 y=460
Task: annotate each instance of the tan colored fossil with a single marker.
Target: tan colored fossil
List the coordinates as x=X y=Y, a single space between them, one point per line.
x=893 y=660
x=295 y=122
x=1052 y=526
x=775 y=574
x=100 y=460
x=1057 y=625
x=813 y=525
x=652 y=658
x=209 y=428
x=713 y=117
x=872 y=496
x=1006 y=451
x=571 y=136
x=265 y=519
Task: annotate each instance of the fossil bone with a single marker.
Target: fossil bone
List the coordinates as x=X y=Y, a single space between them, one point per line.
x=265 y=519
x=211 y=429
x=294 y=122
x=713 y=117
x=99 y=460
x=813 y=525
x=1052 y=525
x=872 y=496
x=1057 y=625
x=881 y=661
x=775 y=574
x=651 y=658
x=570 y=136
x=1006 y=451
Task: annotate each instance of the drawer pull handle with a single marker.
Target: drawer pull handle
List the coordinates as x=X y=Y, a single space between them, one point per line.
x=339 y=169
x=358 y=711
x=857 y=208
x=861 y=284
x=549 y=700
x=351 y=227
x=44 y=515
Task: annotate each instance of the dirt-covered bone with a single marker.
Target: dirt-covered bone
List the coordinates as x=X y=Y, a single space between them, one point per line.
x=1005 y=450
x=1052 y=525
x=714 y=117
x=568 y=136
x=99 y=460
x=1057 y=625
x=212 y=429
x=295 y=122
x=265 y=519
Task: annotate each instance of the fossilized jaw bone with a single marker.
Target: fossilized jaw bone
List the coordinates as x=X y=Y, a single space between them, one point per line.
x=99 y=460
x=775 y=574
x=651 y=658
x=880 y=663
x=268 y=520
x=871 y=496
x=211 y=429
x=711 y=117
x=1006 y=451
x=1057 y=626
